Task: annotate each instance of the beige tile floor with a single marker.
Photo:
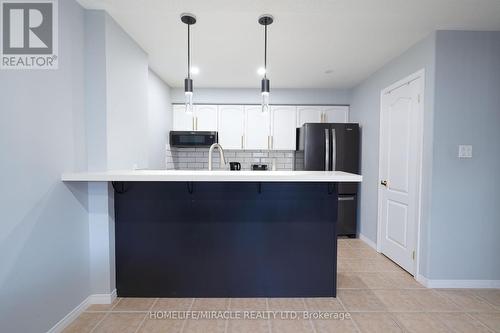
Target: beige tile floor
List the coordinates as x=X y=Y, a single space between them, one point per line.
x=378 y=295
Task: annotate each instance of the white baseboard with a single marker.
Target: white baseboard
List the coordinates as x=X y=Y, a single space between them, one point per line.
x=80 y=308
x=422 y=280
x=445 y=284
x=459 y=284
x=102 y=298
x=368 y=241
x=68 y=319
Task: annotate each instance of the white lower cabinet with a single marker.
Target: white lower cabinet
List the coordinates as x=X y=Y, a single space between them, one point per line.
x=257 y=128
x=231 y=126
x=284 y=123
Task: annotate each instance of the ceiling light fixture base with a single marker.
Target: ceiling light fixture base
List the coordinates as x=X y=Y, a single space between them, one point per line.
x=188 y=18
x=266 y=19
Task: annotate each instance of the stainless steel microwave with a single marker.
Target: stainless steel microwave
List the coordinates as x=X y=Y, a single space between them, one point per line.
x=192 y=138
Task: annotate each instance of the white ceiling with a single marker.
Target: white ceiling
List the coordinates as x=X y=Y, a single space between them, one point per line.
x=352 y=38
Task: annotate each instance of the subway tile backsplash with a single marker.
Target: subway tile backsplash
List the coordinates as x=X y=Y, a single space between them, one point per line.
x=197 y=158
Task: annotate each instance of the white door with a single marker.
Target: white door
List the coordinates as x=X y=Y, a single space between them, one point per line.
x=309 y=114
x=284 y=124
x=400 y=144
x=336 y=114
x=257 y=128
x=206 y=118
x=231 y=126
x=182 y=121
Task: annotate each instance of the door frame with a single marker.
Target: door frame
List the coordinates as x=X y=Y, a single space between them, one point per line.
x=420 y=134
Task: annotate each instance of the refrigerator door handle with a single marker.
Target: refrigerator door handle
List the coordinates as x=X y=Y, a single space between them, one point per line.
x=334 y=149
x=327 y=150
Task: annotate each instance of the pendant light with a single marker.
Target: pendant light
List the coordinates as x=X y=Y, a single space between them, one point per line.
x=265 y=20
x=188 y=19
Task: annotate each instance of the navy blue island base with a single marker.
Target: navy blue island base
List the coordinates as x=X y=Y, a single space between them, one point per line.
x=225 y=239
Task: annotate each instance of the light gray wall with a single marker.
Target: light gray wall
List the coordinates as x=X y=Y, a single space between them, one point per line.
x=465 y=224
x=119 y=128
x=365 y=109
x=44 y=259
x=123 y=131
x=253 y=96
x=459 y=225
x=118 y=135
x=160 y=120
x=101 y=224
x=100 y=219
x=95 y=90
x=126 y=99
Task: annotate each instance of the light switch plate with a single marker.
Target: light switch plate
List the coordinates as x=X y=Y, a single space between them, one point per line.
x=465 y=151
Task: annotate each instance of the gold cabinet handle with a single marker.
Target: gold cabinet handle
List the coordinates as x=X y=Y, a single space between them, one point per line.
x=272 y=142
x=242 y=141
x=196 y=123
x=192 y=120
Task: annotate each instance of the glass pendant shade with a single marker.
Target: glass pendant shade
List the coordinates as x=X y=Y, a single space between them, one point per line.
x=189 y=101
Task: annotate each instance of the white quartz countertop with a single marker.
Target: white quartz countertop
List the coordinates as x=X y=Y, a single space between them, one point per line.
x=211 y=176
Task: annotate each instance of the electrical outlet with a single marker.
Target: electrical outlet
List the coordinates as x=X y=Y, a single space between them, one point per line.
x=465 y=151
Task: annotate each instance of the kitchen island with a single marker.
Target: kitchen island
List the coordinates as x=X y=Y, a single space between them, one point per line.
x=224 y=233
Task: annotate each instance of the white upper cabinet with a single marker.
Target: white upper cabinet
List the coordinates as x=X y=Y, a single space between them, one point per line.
x=322 y=114
x=231 y=126
x=336 y=114
x=182 y=121
x=309 y=114
x=284 y=124
x=257 y=128
x=205 y=118
x=247 y=127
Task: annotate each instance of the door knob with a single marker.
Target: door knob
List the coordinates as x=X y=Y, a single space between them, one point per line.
x=383 y=182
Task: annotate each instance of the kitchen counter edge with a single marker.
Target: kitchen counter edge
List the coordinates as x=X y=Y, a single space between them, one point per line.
x=210 y=176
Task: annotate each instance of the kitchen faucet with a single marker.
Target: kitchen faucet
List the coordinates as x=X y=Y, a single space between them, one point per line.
x=221 y=152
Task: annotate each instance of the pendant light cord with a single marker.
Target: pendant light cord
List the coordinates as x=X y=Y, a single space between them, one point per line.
x=189 y=54
x=265 y=51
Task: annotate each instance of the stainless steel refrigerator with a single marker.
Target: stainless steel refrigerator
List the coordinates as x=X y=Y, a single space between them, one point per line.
x=330 y=147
